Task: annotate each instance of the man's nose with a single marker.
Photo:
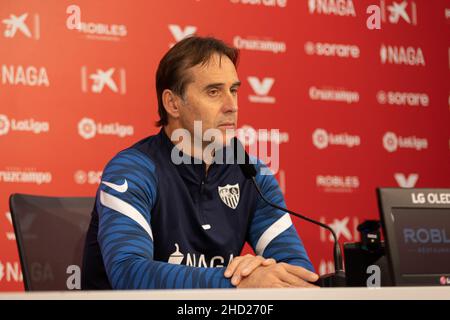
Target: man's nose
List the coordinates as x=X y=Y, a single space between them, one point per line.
x=230 y=103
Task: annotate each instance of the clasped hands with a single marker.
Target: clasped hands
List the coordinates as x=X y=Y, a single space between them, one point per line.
x=257 y=272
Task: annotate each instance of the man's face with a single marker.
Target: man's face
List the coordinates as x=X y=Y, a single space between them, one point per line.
x=211 y=97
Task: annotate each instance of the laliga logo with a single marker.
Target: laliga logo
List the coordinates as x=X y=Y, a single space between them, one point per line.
x=87 y=128
x=390 y=141
x=320 y=139
x=4 y=124
x=23 y=125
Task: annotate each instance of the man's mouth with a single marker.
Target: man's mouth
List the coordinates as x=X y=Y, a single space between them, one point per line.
x=227 y=125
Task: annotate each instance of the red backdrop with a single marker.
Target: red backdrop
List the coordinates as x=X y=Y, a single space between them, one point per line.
x=357 y=108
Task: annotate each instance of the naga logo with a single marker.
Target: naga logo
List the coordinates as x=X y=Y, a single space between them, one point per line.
x=88 y=129
x=179 y=34
x=259 y=45
x=342 y=227
x=408 y=56
x=17 y=23
x=331 y=183
x=16 y=175
x=27 y=76
x=397 y=11
x=332 y=50
x=10 y=272
x=89 y=177
x=406 y=182
x=197 y=260
x=262 y=89
x=403 y=98
x=24 y=125
x=392 y=142
x=322 y=139
x=333 y=95
x=332 y=7
x=103 y=78
x=265 y=3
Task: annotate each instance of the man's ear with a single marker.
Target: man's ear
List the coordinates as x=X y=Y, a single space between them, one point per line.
x=171 y=103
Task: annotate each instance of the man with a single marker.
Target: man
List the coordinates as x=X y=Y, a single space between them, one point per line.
x=157 y=224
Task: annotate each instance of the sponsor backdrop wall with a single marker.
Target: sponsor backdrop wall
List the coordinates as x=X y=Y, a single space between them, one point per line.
x=355 y=108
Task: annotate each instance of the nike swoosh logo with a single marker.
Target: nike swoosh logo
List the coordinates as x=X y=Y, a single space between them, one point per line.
x=119 y=188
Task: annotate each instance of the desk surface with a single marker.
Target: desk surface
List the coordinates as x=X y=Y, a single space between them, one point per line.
x=387 y=293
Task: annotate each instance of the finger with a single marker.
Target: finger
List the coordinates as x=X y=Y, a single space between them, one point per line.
x=244 y=264
x=295 y=280
x=282 y=284
x=269 y=262
x=251 y=265
x=301 y=272
x=232 y=267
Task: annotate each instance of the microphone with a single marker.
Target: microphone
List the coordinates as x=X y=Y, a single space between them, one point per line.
x=336 y=279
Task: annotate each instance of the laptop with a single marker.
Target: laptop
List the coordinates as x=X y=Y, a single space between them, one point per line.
x=416 y=226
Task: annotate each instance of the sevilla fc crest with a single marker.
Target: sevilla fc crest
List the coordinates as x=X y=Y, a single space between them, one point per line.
x=230 y=195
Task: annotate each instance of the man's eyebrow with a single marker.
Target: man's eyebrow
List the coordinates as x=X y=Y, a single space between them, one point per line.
x=220 y=84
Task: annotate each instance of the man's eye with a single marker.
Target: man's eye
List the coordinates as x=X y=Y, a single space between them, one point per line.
x=213 y=92
x=234 y=91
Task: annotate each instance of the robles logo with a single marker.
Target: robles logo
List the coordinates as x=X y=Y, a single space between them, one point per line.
x=392 y=142
x=93 y=30
x=331 y=183
x=24 y=125
x=322 y=139
x=88 y=129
